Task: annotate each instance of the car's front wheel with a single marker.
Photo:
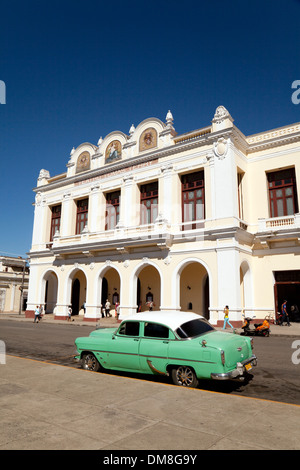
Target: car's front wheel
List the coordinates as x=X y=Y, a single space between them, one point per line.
x=184 y=376
x=89 y=362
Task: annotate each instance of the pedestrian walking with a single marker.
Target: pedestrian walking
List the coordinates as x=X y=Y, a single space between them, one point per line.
x=70 y=313
x=226 y=318
x=285 y=315
x=107 y=308
x=36 y=314
x=41 y=310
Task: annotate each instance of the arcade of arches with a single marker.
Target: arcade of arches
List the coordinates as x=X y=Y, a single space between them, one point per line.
x=191 y=292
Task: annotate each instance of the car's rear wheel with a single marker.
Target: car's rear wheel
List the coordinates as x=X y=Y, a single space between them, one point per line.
x=184 y=376
x=89 y=362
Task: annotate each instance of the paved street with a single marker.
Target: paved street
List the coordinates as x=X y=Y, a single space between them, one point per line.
x=275 y=378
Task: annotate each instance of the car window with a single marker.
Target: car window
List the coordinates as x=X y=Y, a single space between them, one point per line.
x=130 y=328
x=154 y=330
x=194 y=328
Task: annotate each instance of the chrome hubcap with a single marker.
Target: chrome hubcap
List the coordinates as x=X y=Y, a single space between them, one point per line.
x=89 y=362
x=184 y=376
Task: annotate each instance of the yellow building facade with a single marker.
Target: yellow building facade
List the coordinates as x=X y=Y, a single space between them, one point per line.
x=14 y=276
x=188 y=222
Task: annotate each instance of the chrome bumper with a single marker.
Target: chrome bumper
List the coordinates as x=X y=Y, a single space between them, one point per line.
x=239 y=371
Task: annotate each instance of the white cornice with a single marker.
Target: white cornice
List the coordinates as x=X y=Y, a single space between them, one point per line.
x=186 y=142
x=281 y=136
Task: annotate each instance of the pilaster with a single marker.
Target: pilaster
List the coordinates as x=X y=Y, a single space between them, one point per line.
x=165 y=194
x=41 y=224
x=128 y=207
x=32 y=299
x=95 y=209
x=67 y=226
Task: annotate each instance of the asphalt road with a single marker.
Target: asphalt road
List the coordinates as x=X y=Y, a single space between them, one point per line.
x=275 y=377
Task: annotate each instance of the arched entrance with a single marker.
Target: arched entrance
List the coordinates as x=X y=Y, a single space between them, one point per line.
x=104 y=291
x=49 y=291
x=78 y=291
x=75 y=298
x=192 y=288
x=109 y=287
x=148 y=288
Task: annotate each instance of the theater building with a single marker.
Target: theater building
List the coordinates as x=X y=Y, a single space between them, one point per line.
x=189 y=222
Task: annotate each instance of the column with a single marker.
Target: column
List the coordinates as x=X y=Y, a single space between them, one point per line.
x=93 y=305
x=63 y=294
x=128 y=289
x=228 y=267
x=32 y=298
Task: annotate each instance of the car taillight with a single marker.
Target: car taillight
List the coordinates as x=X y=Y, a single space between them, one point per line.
x=223 y=357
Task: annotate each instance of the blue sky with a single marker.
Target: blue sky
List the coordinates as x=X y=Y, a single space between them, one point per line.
x=75 y=71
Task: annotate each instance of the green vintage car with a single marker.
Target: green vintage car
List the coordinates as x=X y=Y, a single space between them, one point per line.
x=182 y=345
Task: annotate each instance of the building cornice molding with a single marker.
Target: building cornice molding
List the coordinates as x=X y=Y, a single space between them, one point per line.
x=183 y=143
x=160 y=241
x=270 y=139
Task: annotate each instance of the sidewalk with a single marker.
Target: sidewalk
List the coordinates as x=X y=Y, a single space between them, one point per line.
x=51 y=407
x=111 y=322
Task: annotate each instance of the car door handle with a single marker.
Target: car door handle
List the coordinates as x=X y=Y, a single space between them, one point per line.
x=166 y=342
x=136 y=339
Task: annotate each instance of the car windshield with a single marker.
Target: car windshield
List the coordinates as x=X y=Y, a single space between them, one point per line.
x=194 y=328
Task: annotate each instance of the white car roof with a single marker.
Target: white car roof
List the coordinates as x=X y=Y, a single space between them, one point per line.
x=171 y=318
